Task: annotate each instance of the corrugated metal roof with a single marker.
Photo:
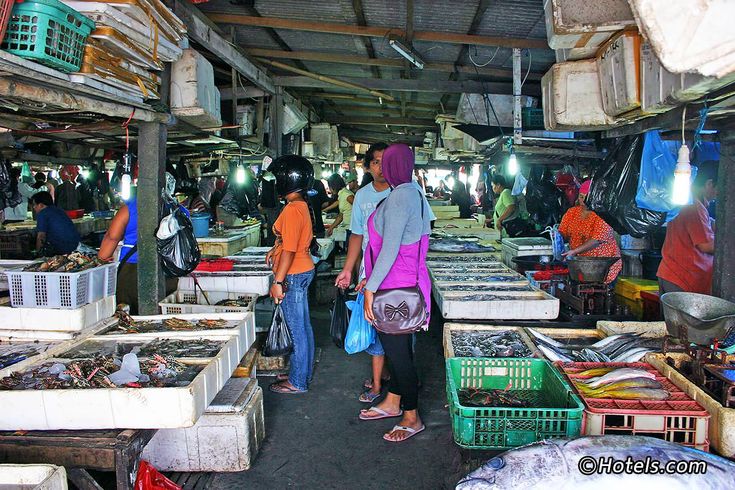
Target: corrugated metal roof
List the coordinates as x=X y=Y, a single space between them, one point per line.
x=331 y=11
x=513 y=18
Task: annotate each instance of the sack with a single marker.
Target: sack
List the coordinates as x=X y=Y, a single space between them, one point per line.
x=179 y=252
x=360 y=334
x=279 y=341
x=149 y=478
x=340 y=319
x=399 y=311
x=515 y=227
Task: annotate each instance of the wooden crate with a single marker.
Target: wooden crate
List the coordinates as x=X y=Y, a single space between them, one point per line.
x=468 y=327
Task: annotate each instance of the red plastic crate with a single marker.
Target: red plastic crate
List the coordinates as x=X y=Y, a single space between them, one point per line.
x=215 y=265
x=651 y=306
x=75 y=213
x=6 y=6
x=679 y=419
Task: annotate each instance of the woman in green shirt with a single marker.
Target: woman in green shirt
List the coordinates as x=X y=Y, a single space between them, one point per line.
x=506 y=206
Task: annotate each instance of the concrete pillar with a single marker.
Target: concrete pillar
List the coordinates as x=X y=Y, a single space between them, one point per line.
x=723 y=282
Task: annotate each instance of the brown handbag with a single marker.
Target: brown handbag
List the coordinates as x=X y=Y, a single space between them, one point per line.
x=401 y=311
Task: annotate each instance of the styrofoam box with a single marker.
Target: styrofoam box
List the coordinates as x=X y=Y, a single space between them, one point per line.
x=574 y=54
x=689 y=35
x=584 y=24
x=33 y=477
x=473 y=110
x=253 y=282
x=45 y=349
x=619 y=67
x=226 y=438
x=572 y=99
x=39 y=319
x=120 y=408
x=453 y=307
x=522 y=247
x=194 y=96
x=662 y=90
x=181 y=302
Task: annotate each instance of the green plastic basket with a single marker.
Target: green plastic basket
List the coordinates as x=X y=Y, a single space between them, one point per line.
x=558 y=411
x=49 y=32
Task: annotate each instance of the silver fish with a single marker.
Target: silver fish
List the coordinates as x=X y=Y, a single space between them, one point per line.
x=619 y=375
x=553 y=355
x=554 y=464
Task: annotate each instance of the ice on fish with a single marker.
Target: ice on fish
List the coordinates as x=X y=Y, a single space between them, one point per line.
x=504 y=343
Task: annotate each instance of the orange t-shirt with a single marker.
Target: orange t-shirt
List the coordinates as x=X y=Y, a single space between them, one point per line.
x=579 y=230
x=293 y=232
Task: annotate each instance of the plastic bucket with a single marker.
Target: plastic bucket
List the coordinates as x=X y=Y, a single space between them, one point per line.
x=201 y=225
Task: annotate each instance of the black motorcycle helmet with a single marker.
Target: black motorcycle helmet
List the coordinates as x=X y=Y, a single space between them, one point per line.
x=293 y=173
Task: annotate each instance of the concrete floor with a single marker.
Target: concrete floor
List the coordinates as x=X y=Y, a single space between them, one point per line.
x=315 y=440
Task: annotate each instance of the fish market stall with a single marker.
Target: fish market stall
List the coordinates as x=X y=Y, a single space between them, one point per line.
x=521 y=247
x=451 y=223
x=85 y=225
x=227 y=243
x=470 y=340
x=593 y=345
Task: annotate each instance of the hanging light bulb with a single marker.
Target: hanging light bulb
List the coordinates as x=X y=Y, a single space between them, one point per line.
x=240 y=175
x=326 y=174
x=681 y=192
x=126 y=181
x=512 y=163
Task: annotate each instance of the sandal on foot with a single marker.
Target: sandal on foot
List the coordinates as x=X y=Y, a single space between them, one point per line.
x=411 y=432
x=281 y=388
x=382 y=414
x=368 y=383
x=282 y=377
x=368 y=396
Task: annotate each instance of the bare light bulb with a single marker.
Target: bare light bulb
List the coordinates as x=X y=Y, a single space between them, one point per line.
x=240 y=175
x=326 y=174
x=681 y=192
x=126 y=182
x=512 y=164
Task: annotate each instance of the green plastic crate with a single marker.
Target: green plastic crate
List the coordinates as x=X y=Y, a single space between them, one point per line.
x=49 y=32
x=559 y=414
x=532 y=118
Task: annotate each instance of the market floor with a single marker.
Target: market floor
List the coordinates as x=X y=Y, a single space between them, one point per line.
x=315 y=440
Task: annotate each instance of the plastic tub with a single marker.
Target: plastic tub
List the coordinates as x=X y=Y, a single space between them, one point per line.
x=75 y=213
x=201 y=225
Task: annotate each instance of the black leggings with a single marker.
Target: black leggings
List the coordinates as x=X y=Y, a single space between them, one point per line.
x=403 y=379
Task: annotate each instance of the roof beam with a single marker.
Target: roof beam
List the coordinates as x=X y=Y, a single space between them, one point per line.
x=380 y=32
x=385 y=62
x=367 y=42
x=386 y=108
x=398 y=85
x=203 y=31
x=363 y=100
x=383 y=121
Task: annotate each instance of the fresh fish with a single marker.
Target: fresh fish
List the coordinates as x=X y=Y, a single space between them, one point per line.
x=619 y=375
x=616 y=348
x=554 y=464
x=630 y=394
x=553 y=355
x=594 y=372
x=620 y=385
x=504 y=343
x=634 y=355
x=456 y=245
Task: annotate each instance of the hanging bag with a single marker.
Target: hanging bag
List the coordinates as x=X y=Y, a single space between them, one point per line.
x=177 y=245
x=360 y=334
x=401 y=311
x=279 y=341
x=340 y=319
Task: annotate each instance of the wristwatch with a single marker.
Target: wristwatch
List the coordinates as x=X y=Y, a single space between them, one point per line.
x=280 y=283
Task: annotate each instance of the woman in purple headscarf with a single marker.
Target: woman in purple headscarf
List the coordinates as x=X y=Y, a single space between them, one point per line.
x=398 y=241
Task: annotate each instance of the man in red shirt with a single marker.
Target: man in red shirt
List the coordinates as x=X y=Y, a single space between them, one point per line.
x=688 y=252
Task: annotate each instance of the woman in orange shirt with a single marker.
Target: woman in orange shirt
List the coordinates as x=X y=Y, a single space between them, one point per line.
x=293 y=266
x=589 y=235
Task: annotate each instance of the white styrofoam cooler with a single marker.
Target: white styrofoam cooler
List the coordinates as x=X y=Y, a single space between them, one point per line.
x=662 y=90
x=619 y=68
x=472 y=109
x=194 y=96
x=226 y=438
x=542 y=307
x=584 y=24
x=572 y=99
x=252 y=282
x=33 y=477
x=120 y=408
x=689 y=35
x=574 y=54
x=39 y=319
x=522 y=247
x=188 y=301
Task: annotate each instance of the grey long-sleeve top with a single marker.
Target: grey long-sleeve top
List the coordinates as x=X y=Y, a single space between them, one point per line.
x=398 y=221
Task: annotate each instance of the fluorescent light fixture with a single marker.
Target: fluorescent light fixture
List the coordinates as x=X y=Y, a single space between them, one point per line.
x=682 y=190
x=512 y=164
x=406 y=51
x=126 y=181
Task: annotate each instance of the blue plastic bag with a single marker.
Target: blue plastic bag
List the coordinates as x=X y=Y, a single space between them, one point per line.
x=360 y=334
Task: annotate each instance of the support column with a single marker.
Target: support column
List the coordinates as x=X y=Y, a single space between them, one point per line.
x=723 y=281
x=275 y=142
x=151 y=171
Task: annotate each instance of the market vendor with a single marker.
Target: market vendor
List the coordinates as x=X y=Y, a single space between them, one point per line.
x=55 y=232
x=688 y=251
x=589 y=235
x=345 y=190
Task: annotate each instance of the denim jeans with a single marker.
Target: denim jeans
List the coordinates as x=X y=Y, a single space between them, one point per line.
x=295 y=307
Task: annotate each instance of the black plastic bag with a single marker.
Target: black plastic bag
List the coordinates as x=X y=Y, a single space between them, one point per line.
x=179 y=251
x=543 y=198
x=279 y=341
x=614 y=189
x=340 y=319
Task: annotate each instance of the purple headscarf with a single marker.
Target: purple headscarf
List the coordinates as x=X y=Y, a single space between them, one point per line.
x=398 y=164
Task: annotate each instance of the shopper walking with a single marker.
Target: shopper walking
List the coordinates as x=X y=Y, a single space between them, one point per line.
x=293 y=266
x=396 y=258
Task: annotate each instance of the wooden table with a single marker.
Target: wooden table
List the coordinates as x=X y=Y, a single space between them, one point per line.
x=104 y=450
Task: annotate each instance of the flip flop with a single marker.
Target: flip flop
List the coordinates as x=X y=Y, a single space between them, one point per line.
x=383 y=414
x=411 y=432
x=281 y=388
x=368 y=396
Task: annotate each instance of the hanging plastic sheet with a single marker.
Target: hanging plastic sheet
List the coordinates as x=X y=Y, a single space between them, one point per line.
x=614 y=189
x=706 y=150
x=543 y=198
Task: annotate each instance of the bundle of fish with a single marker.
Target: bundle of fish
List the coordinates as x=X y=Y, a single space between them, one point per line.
x=476 y=278
x=625 y=347
x=474 y=397
x=620 y=384
x=73 y=262
x=485 y=344
x=500 y=297
x=127 y=325
x=457 y=245
x=461 y=258
x=564 y=464
x=487 y=289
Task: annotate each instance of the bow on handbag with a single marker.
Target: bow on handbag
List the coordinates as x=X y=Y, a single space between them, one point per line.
x=391 y=311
